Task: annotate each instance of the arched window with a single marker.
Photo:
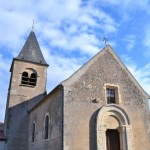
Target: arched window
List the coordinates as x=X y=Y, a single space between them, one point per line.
x=33 y=132
x=29 y=77
x=46 y=127
x=33 y=79
x=25 y=78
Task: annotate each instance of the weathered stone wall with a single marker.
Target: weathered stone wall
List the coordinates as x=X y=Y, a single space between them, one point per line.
x=1 y=126
x=52 y=106
x=3 y=145
x=20 y=93
x=85 y=95
x=20 y=100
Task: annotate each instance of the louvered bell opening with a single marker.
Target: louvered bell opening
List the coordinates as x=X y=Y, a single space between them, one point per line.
x=25 y=78
x=33 y=79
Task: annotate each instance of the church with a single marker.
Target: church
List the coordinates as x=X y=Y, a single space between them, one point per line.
x=99 y=107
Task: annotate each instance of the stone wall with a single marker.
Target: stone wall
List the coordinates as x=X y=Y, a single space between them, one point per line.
x=51 y=106
x=22 y=98
x=20 y=93
x=3 y=145
x=1 y=126
x=86 y=94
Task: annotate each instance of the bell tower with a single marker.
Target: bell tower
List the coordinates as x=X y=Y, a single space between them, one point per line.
x=28 y=73
x=27 y=87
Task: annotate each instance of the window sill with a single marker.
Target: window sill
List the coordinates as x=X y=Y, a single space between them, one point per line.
x=25 y=85
x=46 y=140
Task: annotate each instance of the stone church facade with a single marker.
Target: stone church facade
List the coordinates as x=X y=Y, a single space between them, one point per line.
x=100 y=107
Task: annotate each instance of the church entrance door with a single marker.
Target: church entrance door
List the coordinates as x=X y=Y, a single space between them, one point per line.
x=112 y=139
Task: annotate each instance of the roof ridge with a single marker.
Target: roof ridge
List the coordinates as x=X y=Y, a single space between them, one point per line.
x=82 y=69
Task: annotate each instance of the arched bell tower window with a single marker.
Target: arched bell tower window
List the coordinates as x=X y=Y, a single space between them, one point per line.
x=25 y=78
x=29 y=77
x=33 y=79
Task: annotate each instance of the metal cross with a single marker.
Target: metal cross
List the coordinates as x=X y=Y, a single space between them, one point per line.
x=105 y=40
x=33 y=25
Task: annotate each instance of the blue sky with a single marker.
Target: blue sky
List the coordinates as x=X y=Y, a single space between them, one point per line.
x=71 y=32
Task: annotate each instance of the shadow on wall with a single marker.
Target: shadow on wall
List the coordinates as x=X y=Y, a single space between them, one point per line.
x=17 y=123
x=92 y=128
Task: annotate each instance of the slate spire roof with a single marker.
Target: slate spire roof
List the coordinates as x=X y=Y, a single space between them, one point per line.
x=31 y=51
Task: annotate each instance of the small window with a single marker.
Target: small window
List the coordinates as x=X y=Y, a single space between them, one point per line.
x=32 y=80
x=111 y=95
x=33 y=132
x=25 y=78
x=46 y=127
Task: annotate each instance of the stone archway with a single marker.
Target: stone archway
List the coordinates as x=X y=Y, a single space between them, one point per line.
x=113 y=116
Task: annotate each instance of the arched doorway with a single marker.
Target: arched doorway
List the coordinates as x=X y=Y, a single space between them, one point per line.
x=112 y=139
x=112 y=120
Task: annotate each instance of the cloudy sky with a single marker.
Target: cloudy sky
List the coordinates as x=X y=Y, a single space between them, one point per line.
x=70 y=32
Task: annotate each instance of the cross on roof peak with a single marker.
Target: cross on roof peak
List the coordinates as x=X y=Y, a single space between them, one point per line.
x=33 y=25
x=105 y=40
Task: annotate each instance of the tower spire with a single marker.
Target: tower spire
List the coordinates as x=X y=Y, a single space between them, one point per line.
x=31 y=51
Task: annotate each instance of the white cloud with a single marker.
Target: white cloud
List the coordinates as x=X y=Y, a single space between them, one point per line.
x=141 y=74
x=146 y=40
x=142 y=78
x=50 y=17
x=129 y=5
x=131 y=41
x=4 y=76
x=63 y=25
x=61 y=67
x=63 y=28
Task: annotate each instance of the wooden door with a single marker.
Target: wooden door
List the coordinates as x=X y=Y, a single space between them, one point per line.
x=112 y=139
